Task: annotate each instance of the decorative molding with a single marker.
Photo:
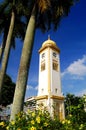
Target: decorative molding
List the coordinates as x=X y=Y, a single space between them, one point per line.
x=54 y=47
x=57 y=97
x=52 y=96
x=42 y=97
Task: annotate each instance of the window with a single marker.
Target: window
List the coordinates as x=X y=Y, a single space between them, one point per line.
x=42 y=90
x=42 y=66
x=55 y=90
x=55 y=66
x=43 y=55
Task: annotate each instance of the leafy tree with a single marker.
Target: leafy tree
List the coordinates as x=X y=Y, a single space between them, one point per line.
x=18 y=32
x=3 y=25
x=16 y=29
x=71 y=100
x=74 y=106
x=44 y=13
x=7 y=91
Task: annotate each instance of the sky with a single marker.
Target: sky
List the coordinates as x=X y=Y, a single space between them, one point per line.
x=70 y=37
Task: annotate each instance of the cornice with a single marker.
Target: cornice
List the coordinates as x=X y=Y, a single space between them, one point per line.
x=54 y=47
x=42 y=97
x=57 y=97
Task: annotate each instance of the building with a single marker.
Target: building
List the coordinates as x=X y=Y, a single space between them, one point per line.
x=5 y=112
x=49 y=90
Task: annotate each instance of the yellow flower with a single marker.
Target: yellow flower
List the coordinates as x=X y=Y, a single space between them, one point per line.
x=7 y=128
x=2 y=123
x=13 y=122
x=45 y=124
x=40 y=112
x=28 y=111
x=32 y=122
x=33 y=128
x=19 y=119
x=38 y=119
x=19 y=114
x=81 y=127
x=63 y=122
x=18 y=129
x=33 y=114
x=68 y=121
x=70 y=115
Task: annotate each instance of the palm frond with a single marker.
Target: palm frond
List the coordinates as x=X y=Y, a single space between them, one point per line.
x=3 y=5
x=43 y=5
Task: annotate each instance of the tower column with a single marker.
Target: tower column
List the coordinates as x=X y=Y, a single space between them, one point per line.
x=49 y=74
x=49 y=90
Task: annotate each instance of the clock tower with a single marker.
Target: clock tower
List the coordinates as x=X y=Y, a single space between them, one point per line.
x=49 y=89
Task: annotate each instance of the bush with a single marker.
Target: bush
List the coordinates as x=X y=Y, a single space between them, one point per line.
x=41 y=120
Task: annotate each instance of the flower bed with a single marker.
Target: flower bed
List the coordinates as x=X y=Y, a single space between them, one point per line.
x=41 y=120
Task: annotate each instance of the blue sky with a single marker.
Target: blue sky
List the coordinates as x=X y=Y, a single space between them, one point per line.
x=71 y=39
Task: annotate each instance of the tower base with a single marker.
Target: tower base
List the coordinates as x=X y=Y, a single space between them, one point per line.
x=54 y=105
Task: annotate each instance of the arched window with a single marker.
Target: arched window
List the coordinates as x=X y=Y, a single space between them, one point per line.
x=55 y=66
x=42 y=66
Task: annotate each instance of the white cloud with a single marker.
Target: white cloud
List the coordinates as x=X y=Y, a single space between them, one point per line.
x=29 y=87
x=77 y=77
x=31 y=91
x=77 y=69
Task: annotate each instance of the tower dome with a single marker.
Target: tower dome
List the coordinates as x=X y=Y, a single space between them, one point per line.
x=48 y=42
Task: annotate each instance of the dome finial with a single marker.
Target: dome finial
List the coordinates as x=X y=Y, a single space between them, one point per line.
x=49 y=37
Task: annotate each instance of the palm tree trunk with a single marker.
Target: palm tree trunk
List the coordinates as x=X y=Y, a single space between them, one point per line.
x=2 y=47
x=1 y=51
x=24 y=67
x=6 y=52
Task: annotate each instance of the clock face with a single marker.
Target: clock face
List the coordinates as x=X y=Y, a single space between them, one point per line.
x=54 y=54
x=43 y=55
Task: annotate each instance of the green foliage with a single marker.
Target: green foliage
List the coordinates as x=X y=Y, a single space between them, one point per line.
x=75 y=106
x=7 y=91
x=31 y=103
x=41 y=120
x=37 y=120
x=5 y=15
x=72 y=102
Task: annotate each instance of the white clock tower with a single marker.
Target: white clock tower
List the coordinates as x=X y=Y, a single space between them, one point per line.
x=49 y=90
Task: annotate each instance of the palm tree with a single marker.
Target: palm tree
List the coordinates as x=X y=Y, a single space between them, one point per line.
x=3 y=22
x=18 y=32
x=6 y=52
x=15 y=30
x=44 y=13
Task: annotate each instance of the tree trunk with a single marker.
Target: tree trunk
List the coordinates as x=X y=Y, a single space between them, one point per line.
x=2 y=47
x=24 y=67
x=1 y=51
x=6 y=52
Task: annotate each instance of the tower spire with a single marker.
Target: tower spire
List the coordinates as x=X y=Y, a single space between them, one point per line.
x=49 y=37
